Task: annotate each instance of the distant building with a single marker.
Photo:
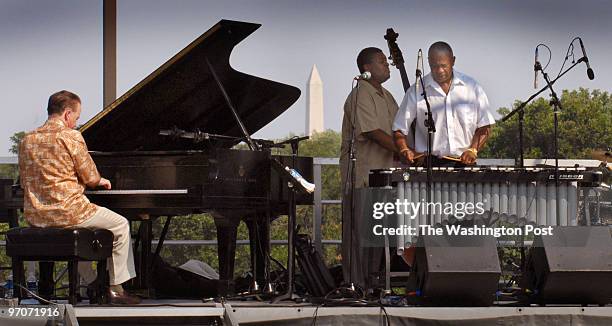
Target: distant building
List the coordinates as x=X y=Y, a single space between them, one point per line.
x=314 y=103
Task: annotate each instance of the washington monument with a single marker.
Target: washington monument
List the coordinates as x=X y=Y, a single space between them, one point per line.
x=314 y=103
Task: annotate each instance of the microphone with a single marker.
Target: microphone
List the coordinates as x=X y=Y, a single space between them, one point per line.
x=365 y=76
x=419 y=72
x=535 y=70
x=419 y=61
x=590 y=72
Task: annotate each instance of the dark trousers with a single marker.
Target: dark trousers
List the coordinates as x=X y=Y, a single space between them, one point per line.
x=359 y=263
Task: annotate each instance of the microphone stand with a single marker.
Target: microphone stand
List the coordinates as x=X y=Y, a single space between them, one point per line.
x=556 y=104
x=294 y=186
x=349 y=188
x=431 y=129
x=521 y=114
x=521 y=108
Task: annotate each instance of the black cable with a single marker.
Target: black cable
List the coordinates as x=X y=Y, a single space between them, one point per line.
x=382 y=308
x=549 y=54
x=355 y=300
x=315 y=315
x=283 y=268
x=570 y=48
x=242 y=297
x=35 y=295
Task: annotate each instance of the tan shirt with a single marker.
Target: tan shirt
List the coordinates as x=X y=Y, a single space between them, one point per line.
x=374 y=110
x=54 y=166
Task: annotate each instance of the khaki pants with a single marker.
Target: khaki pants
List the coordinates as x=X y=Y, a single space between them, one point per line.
x=121 y=263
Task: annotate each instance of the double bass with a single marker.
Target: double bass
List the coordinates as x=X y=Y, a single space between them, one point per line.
x=397 y=60
x=396 y=57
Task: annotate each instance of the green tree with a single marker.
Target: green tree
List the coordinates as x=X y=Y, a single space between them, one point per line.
x=584 y=125
x=15 y=140
x=10 y=170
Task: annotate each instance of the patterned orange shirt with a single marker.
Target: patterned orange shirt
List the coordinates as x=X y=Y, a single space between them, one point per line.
x=55 y=166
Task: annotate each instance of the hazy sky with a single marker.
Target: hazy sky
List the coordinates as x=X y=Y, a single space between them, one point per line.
x=53 y=45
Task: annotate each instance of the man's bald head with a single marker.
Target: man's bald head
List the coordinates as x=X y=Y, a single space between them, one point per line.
x=440 y=48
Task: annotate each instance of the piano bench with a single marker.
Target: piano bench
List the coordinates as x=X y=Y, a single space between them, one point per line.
x=58 y=244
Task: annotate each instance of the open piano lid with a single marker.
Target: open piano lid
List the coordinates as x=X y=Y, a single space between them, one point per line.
x=182 y=93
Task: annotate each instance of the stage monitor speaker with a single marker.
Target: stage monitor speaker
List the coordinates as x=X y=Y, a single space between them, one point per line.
x=573 y=265
x=455 y=270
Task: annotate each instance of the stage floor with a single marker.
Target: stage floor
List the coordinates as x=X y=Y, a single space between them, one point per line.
x=194 y=312
x=186 y=312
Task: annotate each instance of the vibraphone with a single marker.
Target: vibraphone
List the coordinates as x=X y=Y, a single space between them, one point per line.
x=518 y=193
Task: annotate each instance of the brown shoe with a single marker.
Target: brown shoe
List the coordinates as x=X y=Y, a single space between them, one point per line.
x=122 y=298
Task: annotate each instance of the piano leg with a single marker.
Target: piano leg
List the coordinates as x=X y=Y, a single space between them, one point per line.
x=259 y=236
x=46 y=286
x=142 y=250
x=226 y=246
x=13 y=218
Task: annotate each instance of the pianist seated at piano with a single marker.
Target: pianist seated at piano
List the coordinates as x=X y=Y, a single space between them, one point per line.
x=460 y=110
x=55 y=168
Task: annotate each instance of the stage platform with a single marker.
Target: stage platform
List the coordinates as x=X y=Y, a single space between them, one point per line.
x=194 y=312
x=186 y=312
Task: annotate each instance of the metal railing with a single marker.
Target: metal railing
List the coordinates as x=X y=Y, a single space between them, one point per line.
x=8 y=159
x=320 y=203
x=317 y=234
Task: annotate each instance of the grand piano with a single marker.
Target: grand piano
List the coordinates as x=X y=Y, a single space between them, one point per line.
x=166 y=145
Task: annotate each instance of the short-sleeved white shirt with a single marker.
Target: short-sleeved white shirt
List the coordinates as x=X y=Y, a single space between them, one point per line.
x=457 y=114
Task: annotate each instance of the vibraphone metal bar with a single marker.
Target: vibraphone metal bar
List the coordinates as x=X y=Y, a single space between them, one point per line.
x=528 y=193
